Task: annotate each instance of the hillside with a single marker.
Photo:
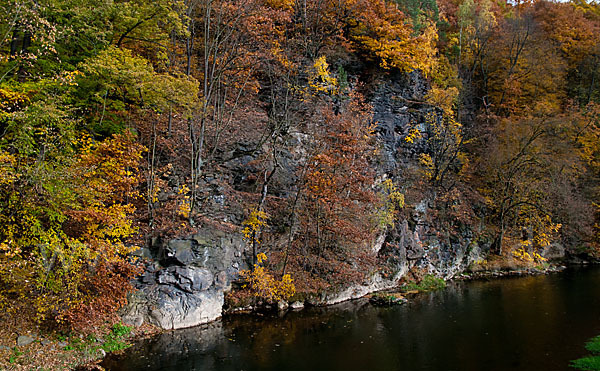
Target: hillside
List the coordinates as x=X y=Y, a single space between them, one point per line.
x=206 y=154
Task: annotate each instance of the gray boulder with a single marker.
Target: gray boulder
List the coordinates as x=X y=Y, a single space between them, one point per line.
x=188 y=289
x=25 y=340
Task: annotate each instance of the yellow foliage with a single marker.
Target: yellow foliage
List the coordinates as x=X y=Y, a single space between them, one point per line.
x=52 y=248
x=261 y=257
x=443 y=98
x=392 y=200
x=11 y=101
x=259 y=279
x=426 y=162
x=68 y=78
x=386 y=35
x=413 y=134
x=265 y=286
x=184 y=209
x=522 y=254
x=444 y=138
x=281 y=4
x=7 y=168
x=253 y=224
x=320 y=79
x=279 y=55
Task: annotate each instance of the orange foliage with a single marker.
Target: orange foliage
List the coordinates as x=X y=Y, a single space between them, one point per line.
x=66 y=248
x=382 y=30
x=337 y=214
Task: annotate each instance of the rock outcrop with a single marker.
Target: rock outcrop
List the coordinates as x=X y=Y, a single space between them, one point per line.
x=185 y=284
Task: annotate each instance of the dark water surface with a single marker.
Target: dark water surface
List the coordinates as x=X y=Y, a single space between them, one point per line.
x=529 y=323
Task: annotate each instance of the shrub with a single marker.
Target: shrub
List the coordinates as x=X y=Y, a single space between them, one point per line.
x=428 y=283
x=591 y=362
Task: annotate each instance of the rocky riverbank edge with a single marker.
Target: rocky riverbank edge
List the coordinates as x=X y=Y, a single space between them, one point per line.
x=25 y=350
x=485 y=275
x=379 y=295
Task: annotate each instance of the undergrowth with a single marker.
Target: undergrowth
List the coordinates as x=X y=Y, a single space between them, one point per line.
x=428 y=283
x=591 y=362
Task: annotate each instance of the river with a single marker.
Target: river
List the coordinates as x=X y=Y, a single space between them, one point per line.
x=526 y=323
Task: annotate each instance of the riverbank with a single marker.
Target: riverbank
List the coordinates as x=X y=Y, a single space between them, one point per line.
x=510 y=273
x=535 y=322
x=414 y=281
x=23 y=349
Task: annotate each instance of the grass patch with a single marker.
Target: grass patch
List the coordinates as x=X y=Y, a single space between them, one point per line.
x=592 y=362
x=428 y=283
x=15 y=356
x=113 y=341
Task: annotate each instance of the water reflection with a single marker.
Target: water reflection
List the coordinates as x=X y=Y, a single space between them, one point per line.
x=531 y=323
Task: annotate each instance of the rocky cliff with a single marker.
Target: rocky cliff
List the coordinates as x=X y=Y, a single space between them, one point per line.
x=186 y=278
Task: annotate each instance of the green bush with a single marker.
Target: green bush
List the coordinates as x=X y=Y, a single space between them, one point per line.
x=593 y=345
x=592 y=362
x=428 y=283
x=114 y=340
x=587 y=363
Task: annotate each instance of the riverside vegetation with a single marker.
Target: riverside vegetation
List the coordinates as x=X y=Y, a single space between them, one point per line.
x=591 y=362
x=342 y=140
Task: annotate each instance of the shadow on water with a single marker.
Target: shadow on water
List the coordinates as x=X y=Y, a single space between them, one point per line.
x=529 y=323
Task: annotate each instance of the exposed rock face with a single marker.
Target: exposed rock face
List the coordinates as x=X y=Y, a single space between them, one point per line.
x=554 y=251
x=399 y=106
x=376 y=283
x=186 y=284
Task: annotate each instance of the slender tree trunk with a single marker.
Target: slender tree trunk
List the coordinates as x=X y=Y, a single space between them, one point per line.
x=151 y=176
x=263 y=197
x=291 y=234
x=592 y=83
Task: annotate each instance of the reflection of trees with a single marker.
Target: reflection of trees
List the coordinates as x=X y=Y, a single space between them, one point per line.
x=261 y=335
x=467 y=324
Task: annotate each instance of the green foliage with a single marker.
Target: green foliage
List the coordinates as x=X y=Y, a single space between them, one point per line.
x=119 y=70
x=120 y=330
x=118 y=81
x=149 y=22
x=421 y=12
x=591 y=362
x=428 y=283
x=16 y=353
x=114 y=341
x=593 y=345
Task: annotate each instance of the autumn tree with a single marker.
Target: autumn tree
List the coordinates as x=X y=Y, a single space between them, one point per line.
x=574 y=29
x=66 y=218
x=529 y=166
x=380 y=29
x=335 y=196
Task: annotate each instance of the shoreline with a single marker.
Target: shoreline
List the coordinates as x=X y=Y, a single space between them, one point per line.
x=83 y=360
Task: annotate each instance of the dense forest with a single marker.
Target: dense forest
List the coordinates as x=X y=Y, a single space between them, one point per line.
x=130 y=120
